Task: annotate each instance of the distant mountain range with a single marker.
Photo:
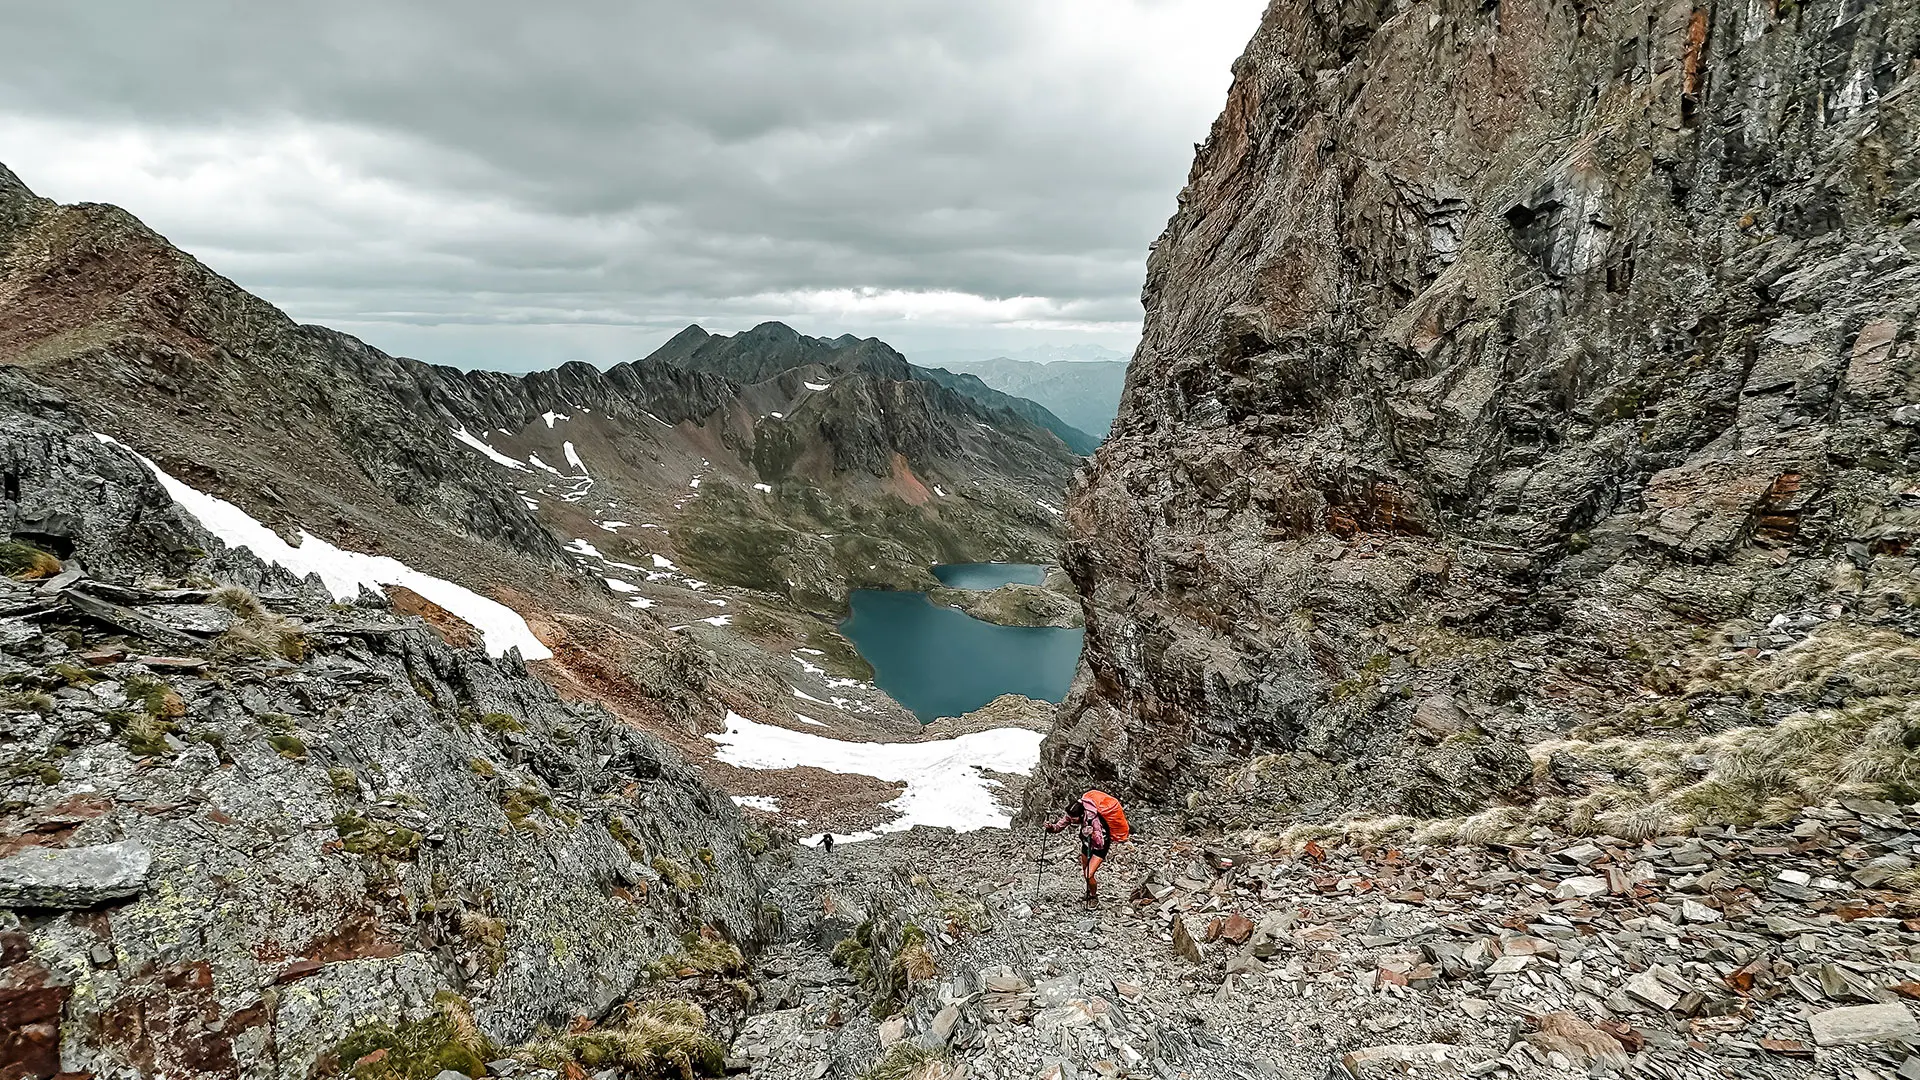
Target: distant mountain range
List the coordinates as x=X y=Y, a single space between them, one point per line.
x=771 y=348
x=786 y=469
x=1083 y=392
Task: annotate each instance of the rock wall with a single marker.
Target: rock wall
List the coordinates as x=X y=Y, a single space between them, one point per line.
x=1497 y=353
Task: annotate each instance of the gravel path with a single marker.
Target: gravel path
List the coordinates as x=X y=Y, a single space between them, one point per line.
x=1726 y=953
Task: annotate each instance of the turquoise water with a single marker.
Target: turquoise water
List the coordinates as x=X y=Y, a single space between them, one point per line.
x=989 y=575
x=941 y=662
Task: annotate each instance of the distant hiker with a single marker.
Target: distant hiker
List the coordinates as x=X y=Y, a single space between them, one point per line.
x=826 y=841
x=1101 y=822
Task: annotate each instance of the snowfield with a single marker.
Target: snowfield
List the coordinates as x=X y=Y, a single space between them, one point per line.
x=346 y=572
x=493 y=455
x=945 y=785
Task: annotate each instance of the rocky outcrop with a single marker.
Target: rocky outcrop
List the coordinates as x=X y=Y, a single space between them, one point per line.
x=1015 y=605
x=245 y=826
x=1498 y=356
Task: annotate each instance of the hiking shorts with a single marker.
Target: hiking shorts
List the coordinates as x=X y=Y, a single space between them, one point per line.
x=1090 y=850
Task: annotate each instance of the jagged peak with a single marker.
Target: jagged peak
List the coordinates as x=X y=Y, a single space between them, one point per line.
x=693 y=334
x=775 y=330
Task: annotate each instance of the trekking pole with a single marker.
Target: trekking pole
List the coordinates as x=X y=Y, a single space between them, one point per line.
x=1039 y=865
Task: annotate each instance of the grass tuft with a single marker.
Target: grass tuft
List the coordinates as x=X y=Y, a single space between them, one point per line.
x=907 y=1060
x=654 y=1040
x=19 y=559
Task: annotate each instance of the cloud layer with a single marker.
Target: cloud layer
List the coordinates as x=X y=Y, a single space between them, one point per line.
x=508 y=184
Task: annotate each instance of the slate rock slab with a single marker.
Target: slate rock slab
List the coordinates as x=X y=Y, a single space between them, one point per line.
x=74 y=877
x=1864 y=1024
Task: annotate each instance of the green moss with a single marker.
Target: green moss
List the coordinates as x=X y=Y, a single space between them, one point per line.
x=677 y=875
x=756 y=842
x=482 y=767
x=382 y=838
x=501 y=723
x=343 y=780
x=413 y=1050
x=46 y=772
x=73 y=674
x=521 y=804
x=288 y=746
x=19 y=559
x=625 y=838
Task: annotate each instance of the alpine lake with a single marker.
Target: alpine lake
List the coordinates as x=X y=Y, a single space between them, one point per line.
x=938 y=661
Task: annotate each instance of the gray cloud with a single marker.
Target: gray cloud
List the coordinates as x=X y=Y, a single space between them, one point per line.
x=500 y=183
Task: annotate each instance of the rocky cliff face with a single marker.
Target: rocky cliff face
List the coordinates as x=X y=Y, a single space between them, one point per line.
x=1504 y=363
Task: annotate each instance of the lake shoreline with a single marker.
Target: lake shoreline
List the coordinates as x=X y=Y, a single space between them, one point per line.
x=936 y=658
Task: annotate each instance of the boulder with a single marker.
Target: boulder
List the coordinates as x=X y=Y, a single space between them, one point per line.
x=1858 y=1024
x=74 y=877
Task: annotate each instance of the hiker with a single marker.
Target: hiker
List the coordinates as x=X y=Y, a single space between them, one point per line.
x=826 y=841
x=1101 y=822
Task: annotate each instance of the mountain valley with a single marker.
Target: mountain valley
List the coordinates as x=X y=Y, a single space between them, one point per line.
x=1499 y=584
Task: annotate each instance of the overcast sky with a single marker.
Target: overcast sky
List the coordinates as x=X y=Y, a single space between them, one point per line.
x=511 y=184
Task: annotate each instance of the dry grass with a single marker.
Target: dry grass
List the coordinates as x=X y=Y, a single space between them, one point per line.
x=908 y=1060
x=487 y=936
x=1866 y=746
x=265 y=635
x=238 y=600
x=654 y=1040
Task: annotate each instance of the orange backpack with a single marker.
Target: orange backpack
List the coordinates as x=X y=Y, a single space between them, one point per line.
x=1110 y=812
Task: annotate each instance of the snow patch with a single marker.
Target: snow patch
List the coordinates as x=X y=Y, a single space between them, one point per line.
x=493 y=455
x=1054 y=510
x=816 y=385
x=573 y=458
x=661 y=562
x=534 y=460
x=946 y=784
x=641 y=602
x=347 y=572
x=768 y=488
x=581 y=547
x=552 y=416
x=614 y=526
x=694 y=483
x=808 y=720
x=617 y=585
x=937 y=491
x=766 y=803
x=719 y=620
